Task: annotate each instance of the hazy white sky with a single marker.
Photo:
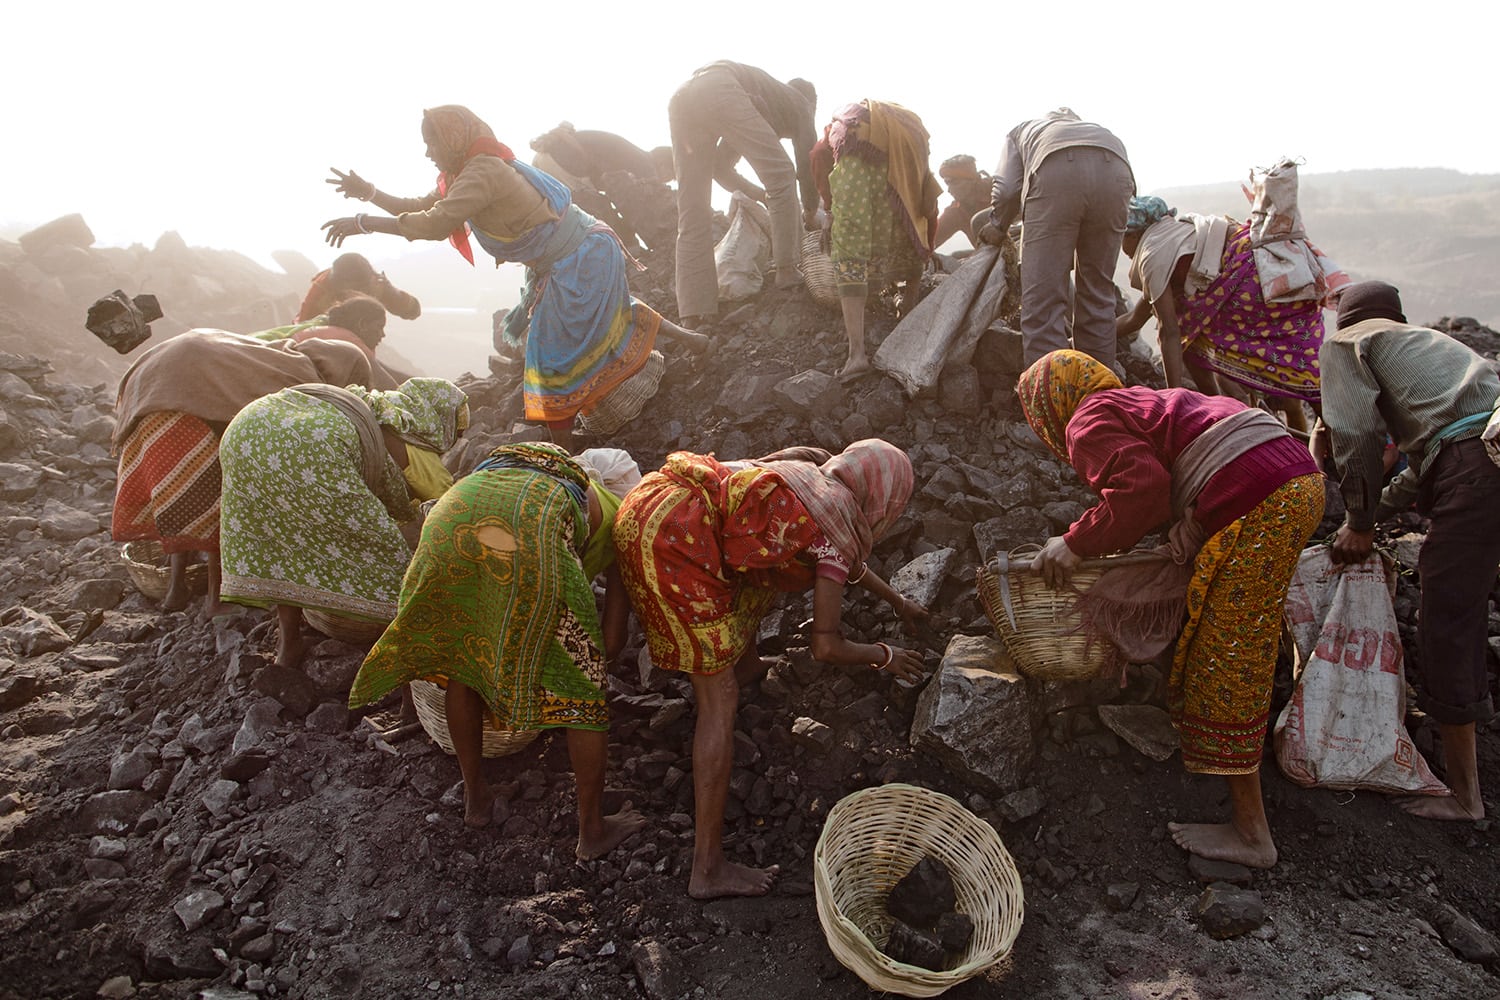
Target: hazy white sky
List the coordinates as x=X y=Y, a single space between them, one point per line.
x=220 y=121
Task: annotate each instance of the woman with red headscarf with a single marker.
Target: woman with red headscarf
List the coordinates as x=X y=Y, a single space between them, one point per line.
x=584 y=335
x=704 y=546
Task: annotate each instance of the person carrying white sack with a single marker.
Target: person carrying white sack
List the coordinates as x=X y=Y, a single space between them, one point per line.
x=1434 y=396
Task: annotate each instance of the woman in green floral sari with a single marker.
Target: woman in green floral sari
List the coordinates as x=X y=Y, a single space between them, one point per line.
x=318 y=482
x=497 y=607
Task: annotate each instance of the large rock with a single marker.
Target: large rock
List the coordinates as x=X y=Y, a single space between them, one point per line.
x=1472 y=942
x=67 y=524
x=975 y=715
x=33 y=633
x=18 y=482
x=811 y=392
x=67 y=231
x=923 y=577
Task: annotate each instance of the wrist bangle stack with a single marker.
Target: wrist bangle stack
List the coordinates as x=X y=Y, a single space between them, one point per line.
x=890 y=654
x=359 y=222
x=373 y=192
x=854 y=580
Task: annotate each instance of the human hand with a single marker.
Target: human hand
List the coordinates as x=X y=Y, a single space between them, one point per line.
x=912 y=614
x=1056 y=562
x=350 y=184
x=339 y=230
x=1350 y=546
x=905 y=665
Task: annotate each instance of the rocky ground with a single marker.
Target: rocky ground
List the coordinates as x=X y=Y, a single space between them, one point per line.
x=178 y=818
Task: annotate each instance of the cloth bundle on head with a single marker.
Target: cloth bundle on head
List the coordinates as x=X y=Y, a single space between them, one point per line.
x=612 y=468
x=1369 y=300
x=462 y=135
x=1051 y=389
x=856 y=496
x=1144 y=211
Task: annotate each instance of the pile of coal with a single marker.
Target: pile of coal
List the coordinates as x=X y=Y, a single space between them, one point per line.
x=928 y=931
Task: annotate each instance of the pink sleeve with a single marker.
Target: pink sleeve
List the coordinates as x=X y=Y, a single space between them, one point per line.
x=1134 y=487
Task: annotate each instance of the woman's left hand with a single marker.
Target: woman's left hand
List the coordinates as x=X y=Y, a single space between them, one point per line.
x=1056 y=562
x=339 y=230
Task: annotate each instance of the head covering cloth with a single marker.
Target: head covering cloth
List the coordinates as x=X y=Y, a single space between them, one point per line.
x=855 y=497
x=461 y=135
x=1051 y=389
x=1369 y=300
x=1144 y=211
x=426 y=412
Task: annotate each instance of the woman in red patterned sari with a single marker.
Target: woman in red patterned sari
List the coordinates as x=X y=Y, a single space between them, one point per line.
x=704 y=547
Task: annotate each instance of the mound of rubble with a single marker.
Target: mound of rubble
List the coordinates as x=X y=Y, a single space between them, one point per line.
x=180 y=818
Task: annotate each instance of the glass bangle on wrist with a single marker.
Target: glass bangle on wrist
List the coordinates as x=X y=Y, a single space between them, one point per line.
x=359 y=222
x=890 y=655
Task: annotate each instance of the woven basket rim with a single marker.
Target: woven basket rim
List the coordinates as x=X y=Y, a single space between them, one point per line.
x=854 y=948
x=1037 y=642
x=428 y=699
x=153 y=579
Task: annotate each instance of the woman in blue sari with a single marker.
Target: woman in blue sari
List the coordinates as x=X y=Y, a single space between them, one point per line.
x=584 y=335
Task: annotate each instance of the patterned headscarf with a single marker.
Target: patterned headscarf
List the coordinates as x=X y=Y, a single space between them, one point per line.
x=548 y=459
x=1144 y=211
x=462 y=135
x=427 y=412
x=1051 y=390
x=856 y=496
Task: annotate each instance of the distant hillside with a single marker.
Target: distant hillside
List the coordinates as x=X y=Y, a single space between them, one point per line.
x=1433 y=233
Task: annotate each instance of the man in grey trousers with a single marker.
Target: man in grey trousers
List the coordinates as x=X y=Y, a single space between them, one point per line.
x=726 y=111
x=1070 y=182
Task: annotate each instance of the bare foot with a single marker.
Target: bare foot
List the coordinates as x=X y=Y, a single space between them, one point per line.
x=617 y=829
x=479 y=802
x=290 y=649
x=789 y=280
x=213 y=607
x=176 y=598
x=730 y=879
x=854 y=369
x=1224 y=842
x=1440 y=807
x=408 y=706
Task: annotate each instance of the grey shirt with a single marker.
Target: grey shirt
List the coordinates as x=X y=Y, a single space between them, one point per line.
x=1029 y=144
x=1380 y=377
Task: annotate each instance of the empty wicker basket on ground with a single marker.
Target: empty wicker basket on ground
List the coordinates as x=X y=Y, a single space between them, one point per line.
x=146 y=563
x=1039 y=626
x=351 y=630
x=872 y=839
x=429 y=700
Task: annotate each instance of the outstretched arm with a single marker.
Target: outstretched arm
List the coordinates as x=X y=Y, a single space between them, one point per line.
x=830 y=646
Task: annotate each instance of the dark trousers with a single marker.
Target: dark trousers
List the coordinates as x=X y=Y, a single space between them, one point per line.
x=1461 y=494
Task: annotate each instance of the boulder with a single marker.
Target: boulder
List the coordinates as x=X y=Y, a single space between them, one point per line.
x=18 y=482
x=810 y=393
x=923 y=577
x=63 y=523
x=974 y=716
x=66 y=231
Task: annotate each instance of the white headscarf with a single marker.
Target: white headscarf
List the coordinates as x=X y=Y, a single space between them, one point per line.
x=612 y=468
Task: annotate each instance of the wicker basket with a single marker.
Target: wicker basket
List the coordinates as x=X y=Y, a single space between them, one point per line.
x=817 y=271
x=429 y=700
x=351 y=630
x=872 y=839
x=624 y=402
x=1038 y=625
x=146 y=563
